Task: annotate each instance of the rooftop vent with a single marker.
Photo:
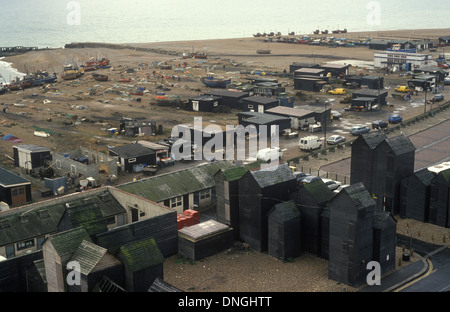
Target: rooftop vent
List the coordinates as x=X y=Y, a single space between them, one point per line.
x=24 y=218
x=43 y=214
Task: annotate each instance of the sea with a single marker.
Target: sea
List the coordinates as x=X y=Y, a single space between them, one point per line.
x=53 y=23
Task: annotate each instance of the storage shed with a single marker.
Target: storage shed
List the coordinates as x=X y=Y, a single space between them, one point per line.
x=137 y=127
x=309 y=83
x=311 y=200
x=204 y=239
x=351 y=235
x=264 y=119
x=133 y=156
x=444 y=40
x=263 y=189
x=440 y=199
x=258 y=103
x=336 y=70
x=380 y=96
x=14 y=189
x=284 y=231
x=300 y=118
x=204 y=103
x=232 y=99
x=297 y=65
x=308 y=71
x=415 y=195
x=30 y=156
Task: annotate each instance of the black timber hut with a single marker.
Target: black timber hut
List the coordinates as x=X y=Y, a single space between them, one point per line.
x=232 y=99
x=284 y=231
x=444 y=40
x=30 y=156
x=14 y=189
x=415 y=195
x=204 y=103
x=335 y=70
x=372 y=82
x=381 y=163
x=380 y=44
x=297 y=65
x=311 y=199
x=264 y=120
x=258 y=103
x=260 y=191
x=133 y=156
x=227 y=194
x=379 y=96
x=351 y=235
x=384 y=240
x=440 y=199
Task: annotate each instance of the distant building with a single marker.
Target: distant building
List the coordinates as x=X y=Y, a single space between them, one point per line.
x=391 y=58
x=258 y=104
x=137 y=127
x=444 y=40
x=132 y=157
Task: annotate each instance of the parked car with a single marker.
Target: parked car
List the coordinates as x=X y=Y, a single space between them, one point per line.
x=357 y=130
x=337 y=91
x=438 y=97
x=310 y=143
x=447 y=81
x=379 y=124
x=402 y=89
x=335 y=139
x=309 y=179
x=395 y=118
x=267 y=154
x=331 y=184
x=335 y=114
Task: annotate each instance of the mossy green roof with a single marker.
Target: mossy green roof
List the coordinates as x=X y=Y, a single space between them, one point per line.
x=141 y=254
x=89 y=216
x=235 y=173
x=68 y=241
x=319 y=191
x=177 y=183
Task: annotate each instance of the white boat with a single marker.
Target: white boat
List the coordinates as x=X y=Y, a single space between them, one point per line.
x=42 y=134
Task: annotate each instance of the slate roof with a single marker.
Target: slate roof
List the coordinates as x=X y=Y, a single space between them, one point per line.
x=319 y=191
x=359 y=195
x=380 y=219
x=273 y=175
x=400 y=144
x=89 y=216
x=88 y=255
x=285 y=211
x=114 y=239
x=425 y=176
x=67 y=242
x=372 y=139
x=8 y=178
x=141 y=254
x=177 y=183
x=131 y=150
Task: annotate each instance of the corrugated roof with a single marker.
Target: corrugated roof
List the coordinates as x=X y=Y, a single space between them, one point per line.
x=88 y=255
x=141 y=254
x=273 y=175
x=177 y=183
x=9 y=178
x=159 y=285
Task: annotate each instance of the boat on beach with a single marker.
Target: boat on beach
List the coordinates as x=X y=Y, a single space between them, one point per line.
x=212 y=81
x=72 y=72
x=263 y=51
x=100 y=77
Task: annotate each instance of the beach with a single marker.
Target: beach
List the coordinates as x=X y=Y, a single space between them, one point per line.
x=80 y=112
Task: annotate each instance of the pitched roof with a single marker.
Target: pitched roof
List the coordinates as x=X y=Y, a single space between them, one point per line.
x=177 y=183
x=359 y=195
x=32 y=148
x=88 y=255
x=159 y=285
x=285 y=211
x=237 y=172
x=67 y=242
x=380 y=218
x=273 y=175
x=87 y=215
x=141 y=254
x=8 y=178
x=425 y=176
x=400 y=144
x=319 y=191
x=372 y=139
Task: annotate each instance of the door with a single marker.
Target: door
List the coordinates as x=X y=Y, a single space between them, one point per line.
x=10 y=251
x=134 y=215
x=195 y=106
x=260 y=108
x=18 y=195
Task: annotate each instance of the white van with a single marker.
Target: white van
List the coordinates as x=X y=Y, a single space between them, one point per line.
x=310 y=143
x=270 y=153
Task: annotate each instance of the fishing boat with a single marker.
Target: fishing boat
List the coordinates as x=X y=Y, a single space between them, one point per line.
x=316 y=32
x=200 y=55
x=212 y=81
x=46 y=78
x=257 y=35
x=325 y=32
x=263 y=51
x=124 y=80
x=72 y=72
x=100 y=77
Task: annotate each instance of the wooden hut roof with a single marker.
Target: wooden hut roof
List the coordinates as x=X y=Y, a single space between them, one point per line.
x=372 y=139
x=8 y=178
x=359 y=195
x=68 y=241
x=273 y=175
x=380 y=219
x=400 y=144
x=319 y=191
x=141 y=254
x=88 y=255
x=285 y=211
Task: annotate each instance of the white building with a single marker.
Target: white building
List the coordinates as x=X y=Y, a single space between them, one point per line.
x=406 y=61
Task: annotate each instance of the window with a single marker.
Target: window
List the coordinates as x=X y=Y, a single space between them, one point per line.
x=111 y=220
x=14 y=192
x=21 y=191
x=25 y=244
x=177 y=201
x=40 y=241
x=205 y=194
x=141 y=213
x=121 y=219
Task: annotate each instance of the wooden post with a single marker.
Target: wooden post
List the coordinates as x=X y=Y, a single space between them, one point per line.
x=403 y=248
x=412 y=252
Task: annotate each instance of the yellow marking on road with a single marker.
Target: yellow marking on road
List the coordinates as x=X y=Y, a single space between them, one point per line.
x=430 y=271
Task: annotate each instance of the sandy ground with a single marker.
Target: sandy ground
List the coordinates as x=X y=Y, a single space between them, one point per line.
x=79 y=112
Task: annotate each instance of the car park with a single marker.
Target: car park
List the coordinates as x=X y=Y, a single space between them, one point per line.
x=395 y=118
x=402 y=89
x=379 y=124
x=331 y=184
x=335 y=139
x=357 y=130
x=438 y=97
